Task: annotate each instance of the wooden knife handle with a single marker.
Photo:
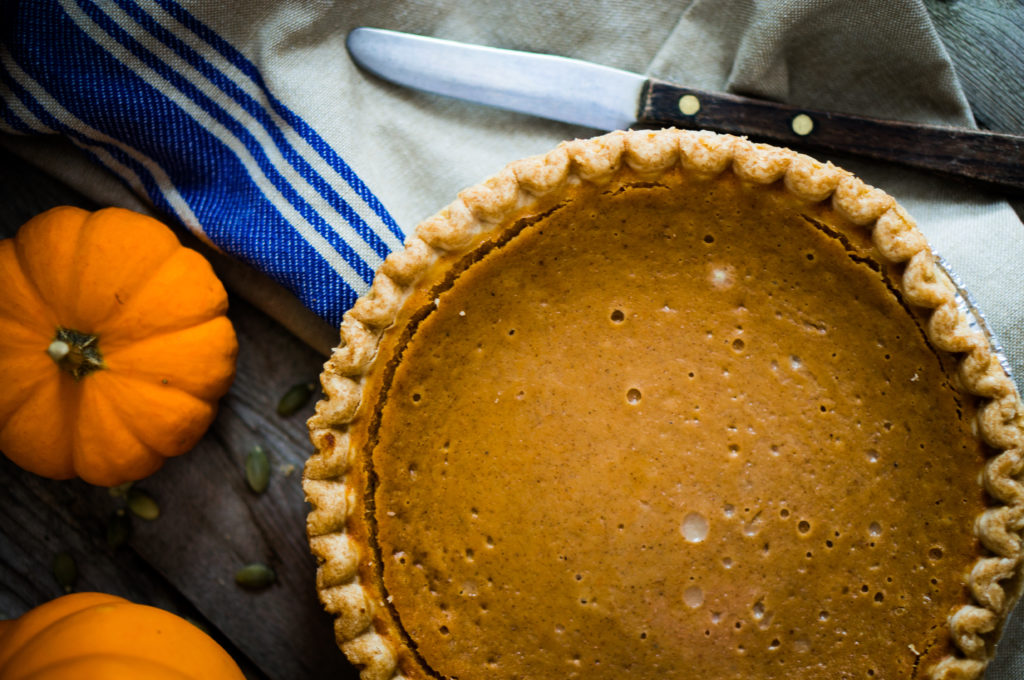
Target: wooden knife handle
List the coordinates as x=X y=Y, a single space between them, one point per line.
x=988 y=157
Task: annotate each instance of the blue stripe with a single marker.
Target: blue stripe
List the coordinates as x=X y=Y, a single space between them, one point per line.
x=258 y=112
x=298 y=124
x=240 y=132
x=11 y=119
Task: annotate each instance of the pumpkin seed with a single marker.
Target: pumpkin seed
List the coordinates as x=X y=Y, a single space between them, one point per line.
x=121 y=490
x=119 y=528
x=65 y=571
x=142 y=505
x=294 y=399
x=255 y=576
x=257 y=469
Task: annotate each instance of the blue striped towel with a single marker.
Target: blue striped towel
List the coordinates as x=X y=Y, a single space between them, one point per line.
x=187 y=122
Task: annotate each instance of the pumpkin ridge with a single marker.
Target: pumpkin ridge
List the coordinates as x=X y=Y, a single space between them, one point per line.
x=68 y=396
x=176 y=388
x=30 y=384
x=85 y=467
x=26 y=323
x=33 y=287
x=96 y=635
x=43 y=671
x=83 y=605
x=115 y=344
x=39 y=337
x=179 y=319
x=208 y=350
x=137 y=286
x=143 y=435
x=20 y=257
x=104 y=221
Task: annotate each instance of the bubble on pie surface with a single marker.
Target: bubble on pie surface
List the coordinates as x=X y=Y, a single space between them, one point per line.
x=695 y=527
x=722 y=276
x=753 y=526
x=693 y=596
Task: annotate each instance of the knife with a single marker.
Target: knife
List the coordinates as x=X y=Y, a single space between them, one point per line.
x=604 y=98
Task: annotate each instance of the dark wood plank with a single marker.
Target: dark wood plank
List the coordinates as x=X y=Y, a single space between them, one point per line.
x=985 y=41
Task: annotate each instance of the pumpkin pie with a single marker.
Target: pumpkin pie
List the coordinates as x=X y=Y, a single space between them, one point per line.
x=666 y=404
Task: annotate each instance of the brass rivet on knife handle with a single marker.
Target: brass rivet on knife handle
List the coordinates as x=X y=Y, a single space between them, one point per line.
x=689 y=105
x=802 y=124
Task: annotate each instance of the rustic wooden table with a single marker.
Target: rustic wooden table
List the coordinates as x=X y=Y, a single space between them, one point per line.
x=211 y=523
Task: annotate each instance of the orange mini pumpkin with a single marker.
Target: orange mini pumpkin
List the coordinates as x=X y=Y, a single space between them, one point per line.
x=94 y=635
x=114 y=345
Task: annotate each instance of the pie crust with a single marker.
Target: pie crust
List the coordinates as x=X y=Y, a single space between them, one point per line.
x=349 y=581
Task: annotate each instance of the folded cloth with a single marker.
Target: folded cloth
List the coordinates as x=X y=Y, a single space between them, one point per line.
x=248 y=124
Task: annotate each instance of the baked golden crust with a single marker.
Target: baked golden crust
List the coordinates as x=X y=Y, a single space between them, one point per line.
x=366 y=633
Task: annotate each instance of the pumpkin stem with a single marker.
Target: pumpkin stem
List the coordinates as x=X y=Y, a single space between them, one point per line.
x=76 y=352
x=58 y=349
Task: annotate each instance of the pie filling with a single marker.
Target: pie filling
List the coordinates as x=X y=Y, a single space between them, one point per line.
x=675 y=429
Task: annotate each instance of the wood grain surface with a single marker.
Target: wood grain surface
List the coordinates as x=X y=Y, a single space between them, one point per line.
x=211 y=524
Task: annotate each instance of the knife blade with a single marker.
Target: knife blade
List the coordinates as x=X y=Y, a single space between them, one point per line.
x=605 y=98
